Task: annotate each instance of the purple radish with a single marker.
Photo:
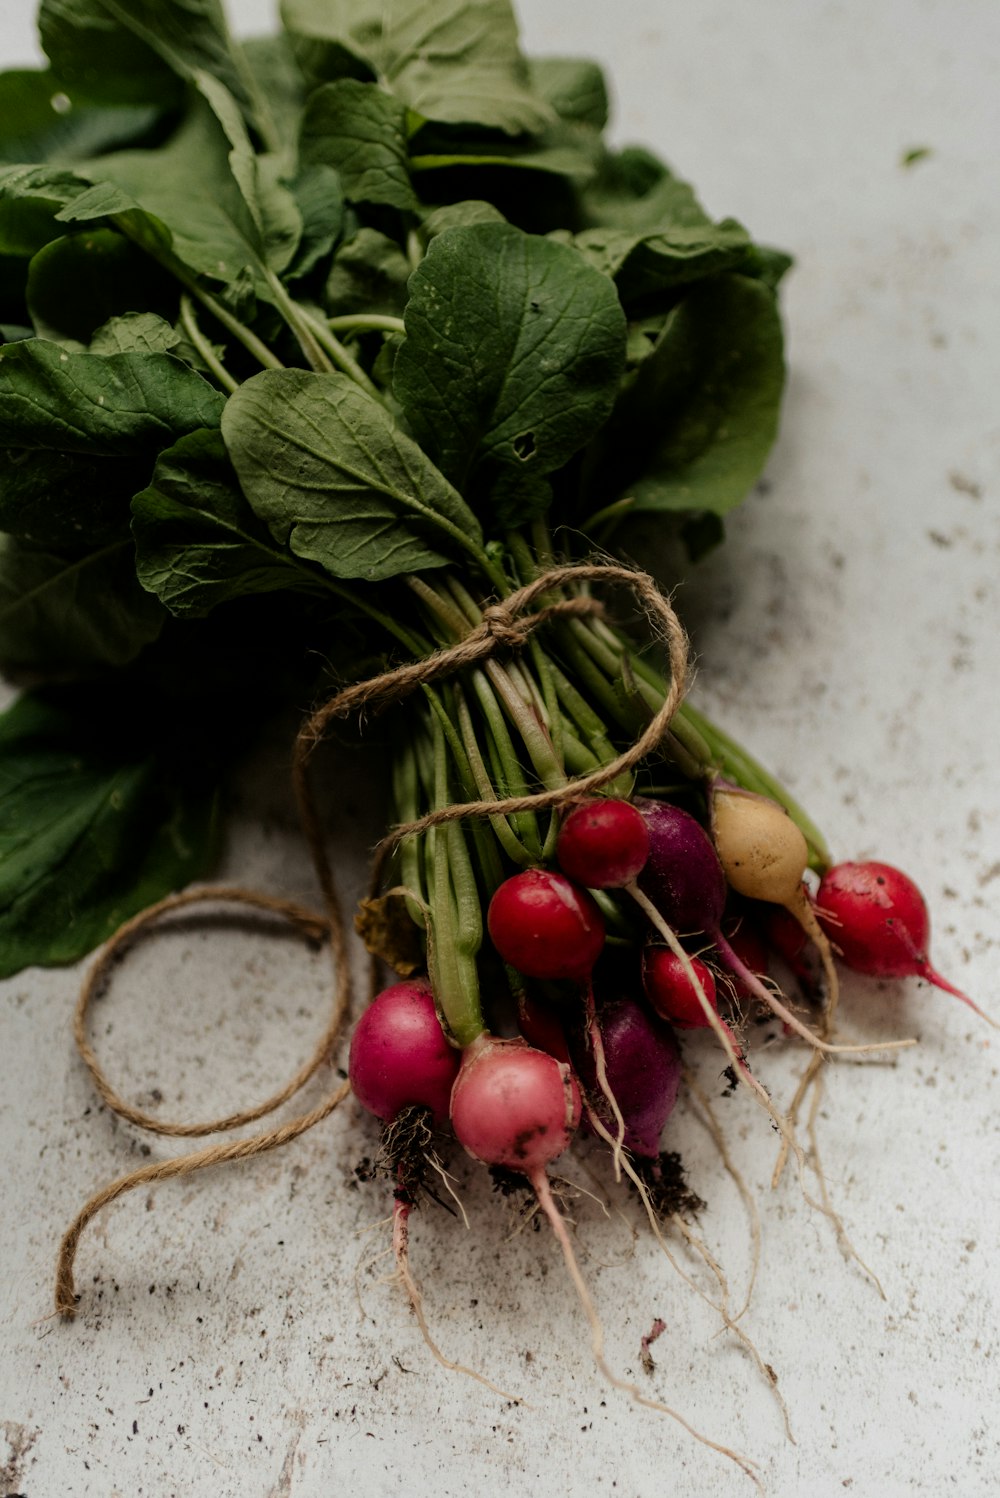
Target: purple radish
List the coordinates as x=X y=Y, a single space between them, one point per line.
x=643 y=1069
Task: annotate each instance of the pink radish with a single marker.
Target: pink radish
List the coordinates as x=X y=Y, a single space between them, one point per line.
x=400 y=1056
x=514 y=1106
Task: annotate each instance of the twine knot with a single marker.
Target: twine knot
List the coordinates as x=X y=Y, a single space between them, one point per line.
x=501 y=625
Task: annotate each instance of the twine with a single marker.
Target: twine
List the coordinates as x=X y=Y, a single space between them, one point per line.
x=506 y=625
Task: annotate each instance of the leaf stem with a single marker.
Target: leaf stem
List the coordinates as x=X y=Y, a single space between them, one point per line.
x=365 y=322
x=189 y=322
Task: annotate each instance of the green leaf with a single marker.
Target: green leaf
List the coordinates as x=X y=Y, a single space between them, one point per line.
x=137 y=51
x=96 y=58
x=119 y=405
x=701 y=415
x=513 y=356
x=456 y=60
x=655 y=260
x=215 y=226
x=459 y=216
x=320 y=202
x=30 y=199
x=369 y=274
x=323 y=465
x=99 y=817
x=62 y=613
x=39 y=122
x=79 y=433
x=198 y=543
x=269 y=203
x=77 y=282
x=135 y=333
x=574 y=87
x=68 y=501
x=360 y=130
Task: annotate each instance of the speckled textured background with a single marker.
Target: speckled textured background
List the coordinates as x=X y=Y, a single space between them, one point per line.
x=236 y=1335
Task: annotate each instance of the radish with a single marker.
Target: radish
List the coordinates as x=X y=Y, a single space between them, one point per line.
x=545 y=926
x=764 y=856
x=403 y=1069
x=603 y=844
x=514 y=1106
x=879 y=921
x=400 y=1056
x=643 y=1068
x=671 y=992
x=684 y=881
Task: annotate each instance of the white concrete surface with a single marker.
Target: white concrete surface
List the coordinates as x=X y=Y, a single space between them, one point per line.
x=235 y=1337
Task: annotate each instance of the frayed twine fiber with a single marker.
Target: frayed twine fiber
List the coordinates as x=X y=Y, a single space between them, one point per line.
x=505 y=625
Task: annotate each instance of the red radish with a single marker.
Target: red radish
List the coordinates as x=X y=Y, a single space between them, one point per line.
x=785 y=936
x=643 y=1072
x=748 y=944
x=400 y=1056
x=545 y=926
x=541 y=1026
x=603 y=844
x=670 y=991
x=878 y=919
x=514 y=1106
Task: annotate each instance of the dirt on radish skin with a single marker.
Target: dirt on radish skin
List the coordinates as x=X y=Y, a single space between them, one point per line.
x=514 y=1106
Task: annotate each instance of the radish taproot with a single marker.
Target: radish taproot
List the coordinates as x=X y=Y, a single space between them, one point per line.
x=879 y=922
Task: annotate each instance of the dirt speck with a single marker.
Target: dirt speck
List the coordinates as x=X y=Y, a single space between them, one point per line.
x=964 y=485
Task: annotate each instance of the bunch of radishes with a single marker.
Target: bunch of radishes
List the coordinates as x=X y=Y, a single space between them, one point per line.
x=515 y=1102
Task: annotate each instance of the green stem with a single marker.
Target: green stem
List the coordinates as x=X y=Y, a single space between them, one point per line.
x=734 y=761
x=301 y=325
x=344 y=361
x=189 y=323
x=365 y=322
x=505 y=834
x=456 y=916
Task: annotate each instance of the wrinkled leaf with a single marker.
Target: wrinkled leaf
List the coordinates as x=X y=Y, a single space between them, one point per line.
x=656 y=259
x=198 y=543
x=323 y=465
x=119 y=405
x=701 y=415
x=457 y=60
x=513 y=356
x=99 y=817
x=369 y=274
x=360 y=131
x=135 y=333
